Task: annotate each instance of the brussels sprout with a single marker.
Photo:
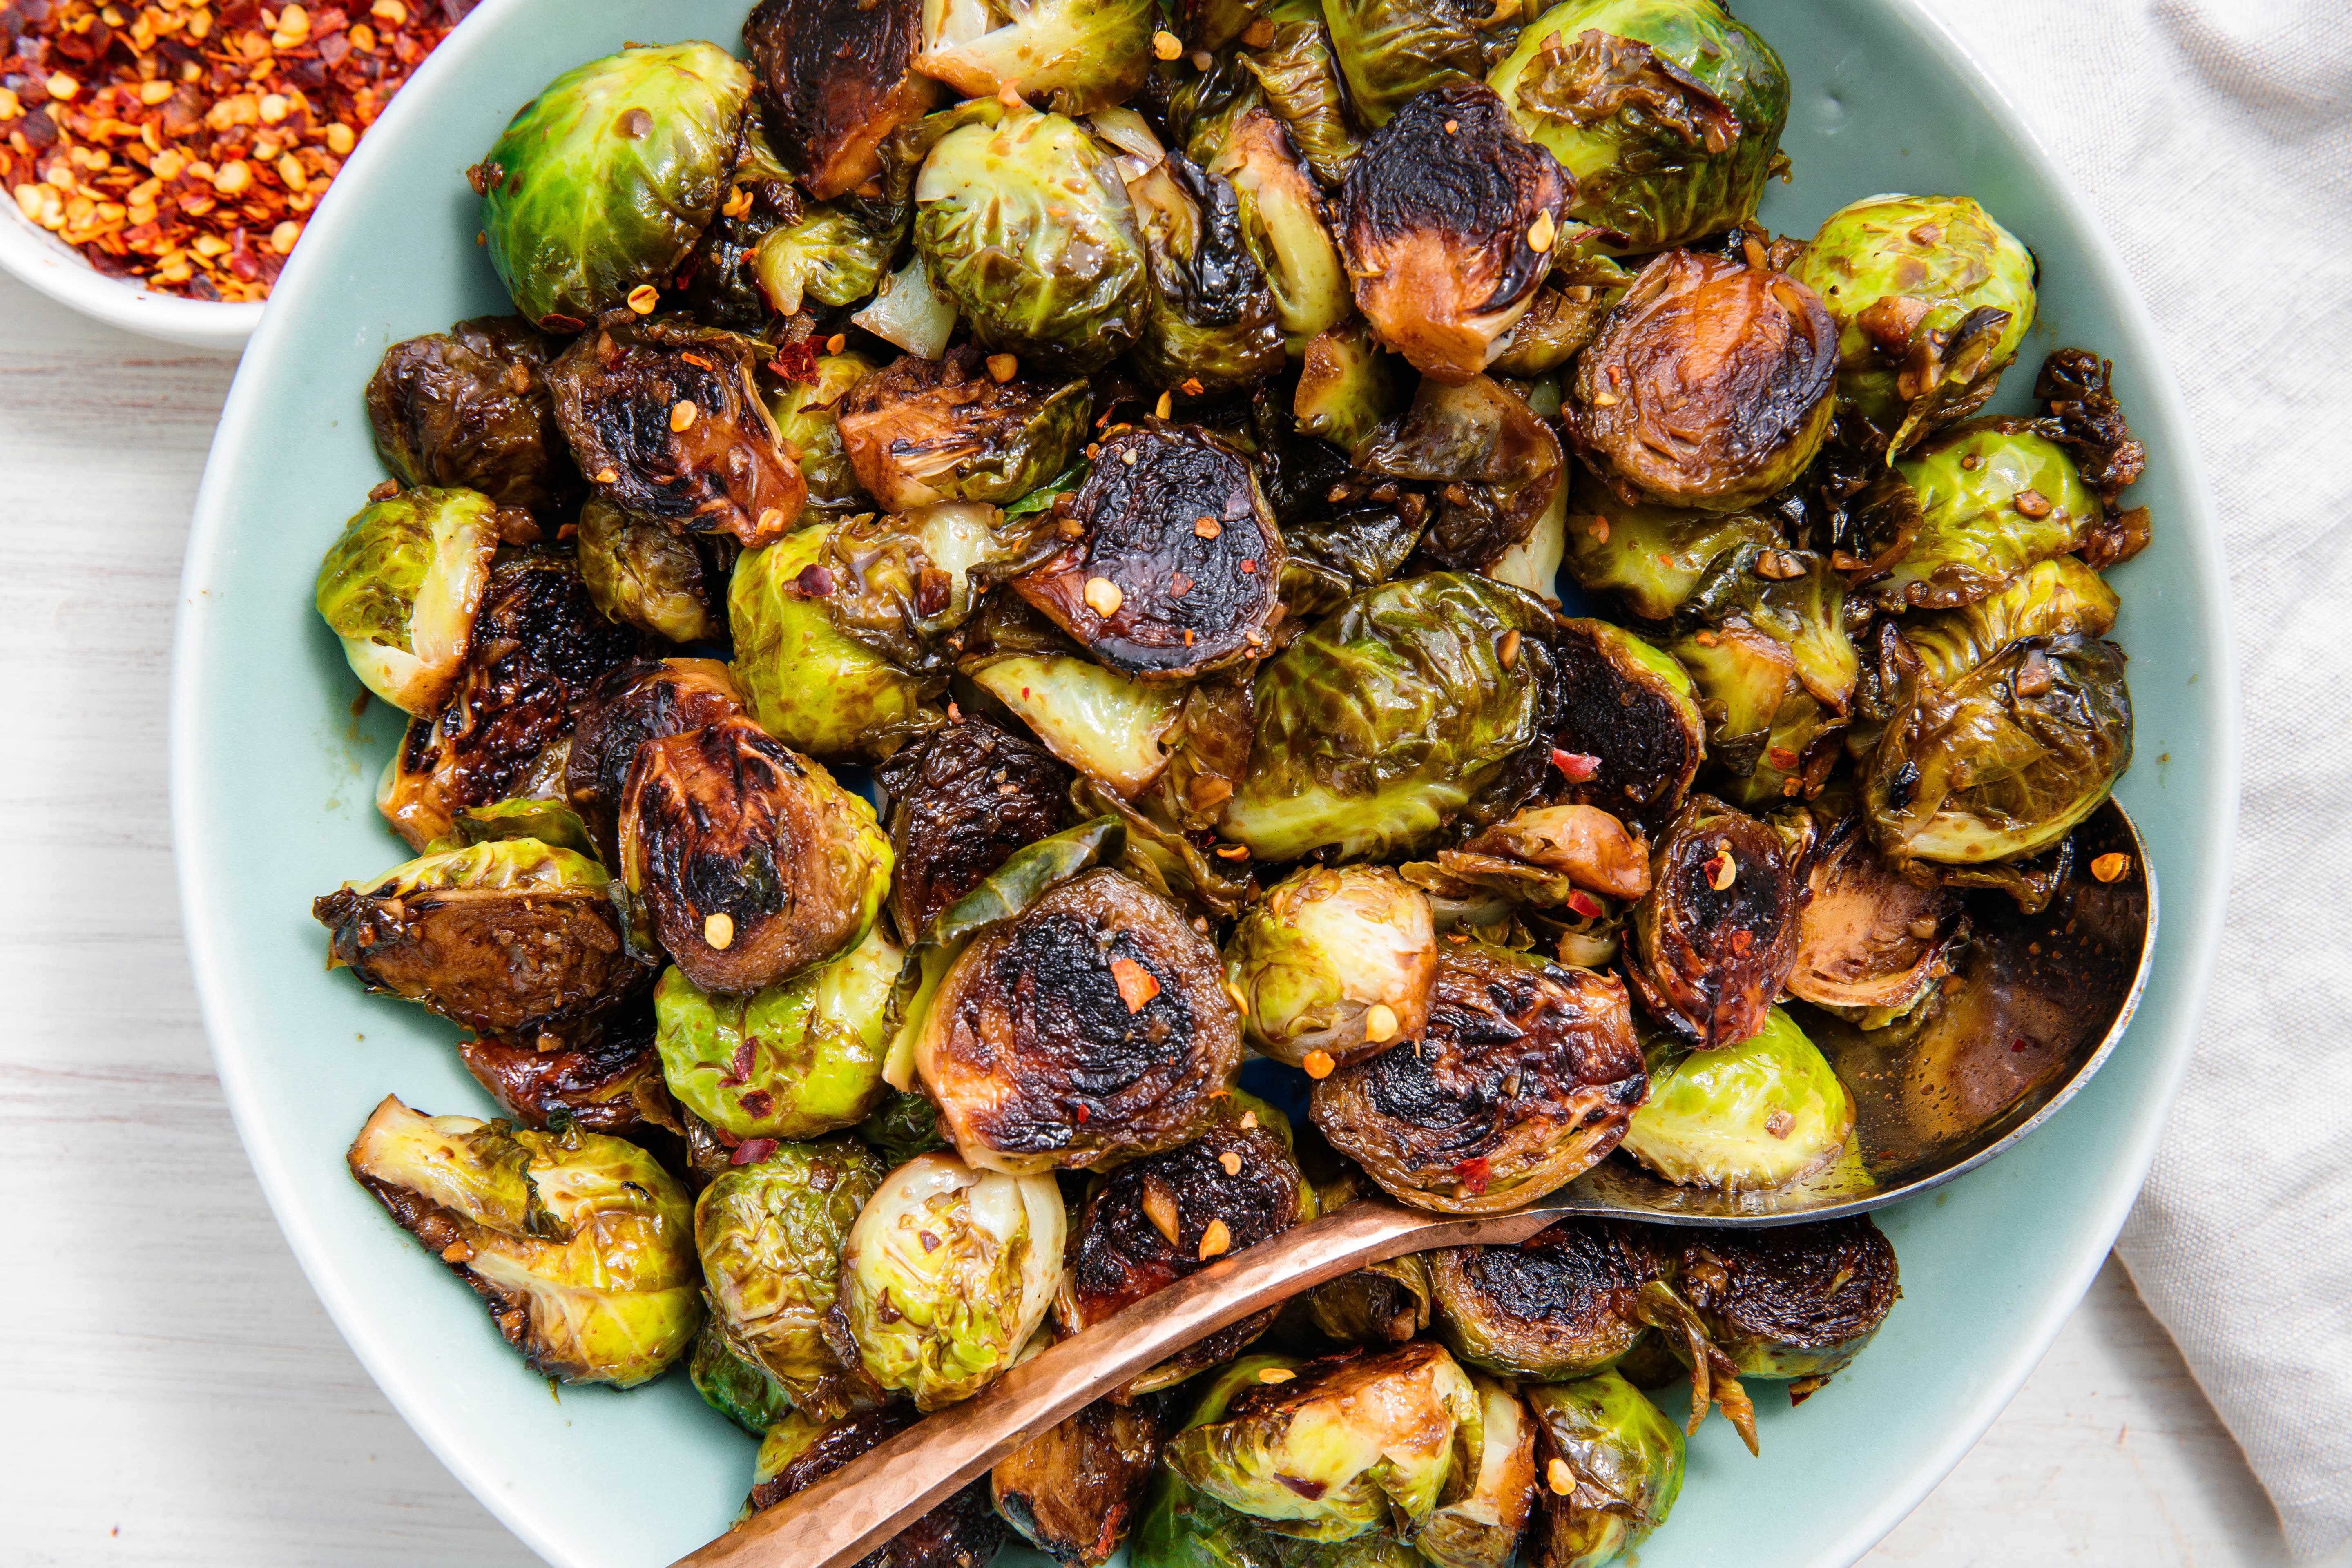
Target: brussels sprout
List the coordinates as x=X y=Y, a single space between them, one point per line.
x=502 y=936
x=1621 y=1462
x=1711 y=385
x=1380 y=1304
x=1333 y=962
x=809 y=683
x=642 y=576
x=734 y=1385
x=1393 y=53
x=1300 y=74
x=928 y=430
x=836 y=78
x=1448 y=232
x=1666 y=113
x=963 y=1532
x=1499 y=469
x=1870 y=942
x=1075 y=1491
x=604 y=180
x=1109 y=728
x=611 y=1083
x=1792 y=1302
x=1966 y=512
x=807 y=416
x=1079 y=55
x=900 y=584
x=580 y=1245
x=1542 y=855
x=1525 y=1079
x=1282 y=220
x=1793 y=597
x=947 y=1273
x=1413 y=706
x=1210 y=323
x=1757 y=1114
x=633 y=703
x=1716 y=938
x=1344 y=388
x=1482 y=1530
x=666 y=422
x=1630 y=736
x=401 y=587
x=1652 y=558
x=962 y=801
x=903 y=1126
x=1565 y=315
x=1565 y=1304
x=1773 y=674
x=1182 y=1527
x=912 y=313
x=830 y=254
x=1932 y=298
x=1026 y=227
x=2053 y=599
x=469 y=408
x=770 y=1233
x=1333 y=1450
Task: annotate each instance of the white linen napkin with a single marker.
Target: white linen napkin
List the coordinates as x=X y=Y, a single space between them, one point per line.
x=2214 y=138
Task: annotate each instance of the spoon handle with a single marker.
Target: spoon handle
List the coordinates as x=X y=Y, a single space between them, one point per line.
x=842 y=1517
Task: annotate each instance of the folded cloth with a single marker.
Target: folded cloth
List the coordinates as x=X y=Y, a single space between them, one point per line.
x=2214 y=138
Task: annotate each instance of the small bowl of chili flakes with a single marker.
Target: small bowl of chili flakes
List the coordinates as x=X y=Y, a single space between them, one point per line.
x=162 y=158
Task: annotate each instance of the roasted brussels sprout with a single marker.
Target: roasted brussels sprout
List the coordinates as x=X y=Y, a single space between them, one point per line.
x=1210 y=324
x=1025 y=226
x=2055 y=598
x=1482 y=1530
x=400 y=588
x=951 y=429
x=836 y=78
x=1711 y=385
x=642 y=576
x=1282 y=221
x=665 y=420
x=947 y=1273
x=903 y=1126
x=1344 y=388
x=1381 y=1304
x=1525 y=1079
x=1116 y=732
x=610 y=1083
x=1792 y=1302
x=770 y=1233
x=1300 y=74
x=830 y=254
x=633 y=703
x=962 y=801
x=807 y=414
x=1773 y=668
x=1075 y=1491
x=963 y=1532
x=581 y=1246
x=1667 y=114
x=1544 y=854
x=750 y=864
x=808 y=682
x=605 y=179
x=734 y=1385
x=1757 y=1114
x=1621 y=1462
x=1448 y=220
x=1630 y=735
x=469 y=408
x=1393 y=52
x=1179 y=566
x=1964 y=513
x=1413 y=706
x=1651 y=558
x=1716 y=938
x=1870 y=942
x=1182 y=1527
x=1566 y=1304
x=1335 y=962
x=1078 y=55
x=1501 y=474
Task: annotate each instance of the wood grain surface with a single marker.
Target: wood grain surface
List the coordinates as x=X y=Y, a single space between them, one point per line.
x=174 y=1396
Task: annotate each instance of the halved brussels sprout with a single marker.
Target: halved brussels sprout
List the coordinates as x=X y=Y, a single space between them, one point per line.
x=912 y=313
x=1500 y=469
x=1178 y=568
x=581 y=1246
x=400 y=588
x=611 y=1083
x=1380 y=1304
x=1080 y=56
x=469 y=408
x=633 y=703
x=1651 y=557
x=1182 y=1527
x=1525 y=1079
x=1282 y=220
x=1757 y=1114
x=962 y=801
x=1210 y=325
x=1027 y=226
x=1622 y=1461
x=604 y=181
x=836 y=78
x=831 y=254
x=1666 y=113
x=807 y=414
x=642 y=576
x=963 y=1532
x=1075 y=1491
x=1711 y=386
x=2053 y=598
x=1482 y=1530
x=1333 y=962
x=921 y=431
x=1393 y=52
x=770 y=1233
x=1449 y=219
x=1344 y=389
x=501 y=937
x=734 y=1385
x=1630 y=736
x=1543 y=854
x=1795 y=1301
x=665 y=420
x=1111 y=729
x=749 y=862
x=1774 y=670
x=808 y=682
x=1299 y=73
x=1714 y=941
x=1413 y=706
x=1870 y=941
x=1565 y=1304
x=1964 y=513
x=947 y=1273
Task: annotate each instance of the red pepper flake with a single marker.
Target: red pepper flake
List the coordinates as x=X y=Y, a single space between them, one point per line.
x=759 y=1102
x=1742 y=941
x=1782 y=757
x=796 y=362
x=1310 y=1489
x=1584 y=903
x=1578 y=766
x=1137 y=986
x=739 y=1069
x=2018 y=1043
x=1178 y=585
x=752 y=1150
x=815 y=581
x=1474 y=1174
x=1249 y=566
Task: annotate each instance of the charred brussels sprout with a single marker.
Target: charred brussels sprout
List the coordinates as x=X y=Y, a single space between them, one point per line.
x=836 y=78
x=749 y=862
x=733 y=1384
x=1711 y=385
x=961 y=1533
x=1621 y=1461
x=771 y=1234
x=2055 y=598
x=1334 y=962
x=1384 y=1304
x=611 y=1083
x=1210 y=325
x=1651 y=558
x=1564 y=1305
x=807 y=414
x=665 y=421
x=470 y=407
x=1393 y=52
x=1115 y=731
x=1079 y=55
x=1795 y=1302
x=1025 y=226
x=1716 y=938
x=1630 y=734
x=633 y=703
x=1075 y=1492
x=1542 y=855
x=1966 y=512
x=1501 y=479
x=605 y=179
x=829 y=254
x=1757 y=1114
x=962 y=801
x=1870 y=944
x=1667 y=114
x=1524 y=1080
x=929 y=430
x=581 y=1246
x=807 y=681
x=400 y=588
x=642 y=576
x=1449 y=219
x=1299 y=73
x=947 y=1273
x=1282 y=223
x=1482 y=1530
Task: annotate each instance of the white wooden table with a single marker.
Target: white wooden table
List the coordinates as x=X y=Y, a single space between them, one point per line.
x=172 y=1393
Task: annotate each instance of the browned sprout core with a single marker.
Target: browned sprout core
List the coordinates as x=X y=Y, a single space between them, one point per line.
x=1563 y=1305
x=638 y=701
x=1869 y=938
x=1631 y=749
x=1076 y=1490
x=962 y=800
x=835 y=78
x=961 y=1533
x=948 y=419
x=1716 y=939
x=611 y=1084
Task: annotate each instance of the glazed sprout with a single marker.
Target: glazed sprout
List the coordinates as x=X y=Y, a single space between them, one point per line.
x=1932 y=297
x=947 y=1273
x=1630 y=736
x=469 y=408
x=1075 y=1491
x=401 y=586
x=1210 y=324
x=500 y=937
x=1447 y=232
x=642 y=576
x=836 y=78
x=1413 y=706
x=2052 y=598
x=602 y=183
x=1025 y=226
x=1967 y=510
x=911 y=311
x=807 y=681
x=1759 y=1114
x=926 y=430
x=1524 y=1080
x=1381 y=1304
x=791 y=1060
x=749 y=862
x=1482 y=1530
x=1667 y=114
x=1115 y=731
x=581 y=1246
x=831 y=254
x=1649 y=558
x=1716 y=938
x=1793 y=1303
x=962 y=801
x=1774 y=671
x=666 y=422
x=1870 y=944
x=901 y=584
x=549 y=821
x=1392 y=53
x=1177 y=568
x=1500 y=476
x=1711 y=385
x=1544 y=854
x=1300 y=77
x=1334 y=962
x=734 y=1385
x=1620 y=1462
x=611 y=1083
x=1079 y=56
x=1565 y=1304
x=807 y=414
x=1344 y=388
x=1337 y=1448
x=770 y=1233
x=1282 y=223
x=798 y=1451
x=632 y=703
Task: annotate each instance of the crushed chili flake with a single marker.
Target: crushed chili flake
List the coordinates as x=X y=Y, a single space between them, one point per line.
x=1576 y=766
x=757 y=1101
x=739 y=1070
x=1474 y=1174
x=752 y=1150
x=185 y=144
x=1137 y=985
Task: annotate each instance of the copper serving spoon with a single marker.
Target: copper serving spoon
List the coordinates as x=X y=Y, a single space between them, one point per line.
x=2042 y=1003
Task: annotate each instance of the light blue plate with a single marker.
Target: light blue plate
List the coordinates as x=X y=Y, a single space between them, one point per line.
x=272 y=779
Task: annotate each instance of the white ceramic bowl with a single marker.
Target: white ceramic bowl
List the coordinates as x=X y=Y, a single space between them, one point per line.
x=56 y=269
